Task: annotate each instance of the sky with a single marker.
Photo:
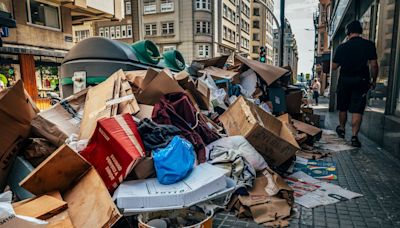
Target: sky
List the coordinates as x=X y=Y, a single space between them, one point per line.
x=300 y=16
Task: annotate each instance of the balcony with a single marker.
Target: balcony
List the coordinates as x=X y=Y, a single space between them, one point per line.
x=167 y=7
x=89 y=10
x=150 y=9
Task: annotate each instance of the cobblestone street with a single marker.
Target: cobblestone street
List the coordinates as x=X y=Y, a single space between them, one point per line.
x=370 y=171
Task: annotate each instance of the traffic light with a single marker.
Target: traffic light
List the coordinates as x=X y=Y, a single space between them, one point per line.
x=262 y=55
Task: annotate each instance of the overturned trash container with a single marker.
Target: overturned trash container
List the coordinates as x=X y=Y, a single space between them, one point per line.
x=92 y=60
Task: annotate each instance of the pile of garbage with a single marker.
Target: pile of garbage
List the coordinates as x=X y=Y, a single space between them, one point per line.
x=160 y=149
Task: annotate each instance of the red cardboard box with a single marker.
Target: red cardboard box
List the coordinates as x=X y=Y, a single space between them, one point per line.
x=114 y=149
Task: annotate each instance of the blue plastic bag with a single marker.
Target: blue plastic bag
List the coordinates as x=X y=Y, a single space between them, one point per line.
x=174 y=162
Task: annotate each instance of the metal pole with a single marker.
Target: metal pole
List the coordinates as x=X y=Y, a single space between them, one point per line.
x=283 y=25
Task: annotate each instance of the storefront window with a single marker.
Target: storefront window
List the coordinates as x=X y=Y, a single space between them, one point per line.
x=47 y=80
x=383 y=41
x=7 y=76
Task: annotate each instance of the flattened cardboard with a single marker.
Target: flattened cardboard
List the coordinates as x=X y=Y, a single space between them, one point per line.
x=57 y=124
x=154 y=87
x=218 y=73
x=16 y=114
x=89 y=203
x=96 y=107
x=307 y=128
x=42 y=207
x=267 y=72
x=216 y=61
x=272 y=139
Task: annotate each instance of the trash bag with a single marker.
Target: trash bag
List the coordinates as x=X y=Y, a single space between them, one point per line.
x=174 y=162
x=176 y=109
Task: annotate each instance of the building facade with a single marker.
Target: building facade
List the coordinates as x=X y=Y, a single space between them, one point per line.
x=380 y=21
x=322 y=50
x=290 y=52
x=125 y=30
x=232 y=27
x=33 y=50
x=180 y=25
x=262 y=30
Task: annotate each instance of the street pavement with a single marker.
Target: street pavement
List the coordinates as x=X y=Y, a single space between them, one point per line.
x=370 y=171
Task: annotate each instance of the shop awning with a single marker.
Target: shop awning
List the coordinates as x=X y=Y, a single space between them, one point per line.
x=6 y=20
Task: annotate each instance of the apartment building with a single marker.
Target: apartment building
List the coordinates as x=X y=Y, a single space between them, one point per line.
x=180 y=25
x=262 y=29
x=290 y=51
x=322 y=47
x=125 y=30
x=232 y=27
x=33 y=50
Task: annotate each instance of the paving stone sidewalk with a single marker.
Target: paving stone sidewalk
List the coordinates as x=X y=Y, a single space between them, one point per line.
x=370 y=171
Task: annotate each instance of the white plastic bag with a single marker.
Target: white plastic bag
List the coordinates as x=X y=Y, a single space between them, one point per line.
x=240 y=144
x=8 y=218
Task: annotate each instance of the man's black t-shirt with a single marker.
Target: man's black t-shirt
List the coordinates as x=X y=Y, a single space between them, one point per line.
x=353 y=57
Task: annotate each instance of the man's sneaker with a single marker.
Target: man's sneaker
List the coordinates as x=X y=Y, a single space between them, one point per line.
x=355 y=142
x=340 y=132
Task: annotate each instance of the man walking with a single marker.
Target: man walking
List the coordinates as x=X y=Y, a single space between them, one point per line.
x=355 y=58
x=316 y=88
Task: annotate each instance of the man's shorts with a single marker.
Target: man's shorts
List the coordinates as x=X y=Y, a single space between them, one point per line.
x=352 y=97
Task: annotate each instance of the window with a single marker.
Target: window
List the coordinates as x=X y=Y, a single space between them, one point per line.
x=128 y=7
x=256 y=11
x=225 y=36
x=81 y=35
x=150 y=29
x=256 y=24
x=118 y=32
x=169 y=48
x=225 y=12
x=107 y=32
x=203 y=4
x=233 y=18
x=167 y=6
x=204 y=51
x=256 y=49
x=167 y=28
x=229 y=15
x=149 y=6
x=101 y=32
x=256 y=36
x=203 y=27
x=129 y=31
x=112 y=32
x=43 y=14
x=123 y=31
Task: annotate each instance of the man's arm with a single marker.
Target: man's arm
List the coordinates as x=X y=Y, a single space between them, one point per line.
x=373 y=64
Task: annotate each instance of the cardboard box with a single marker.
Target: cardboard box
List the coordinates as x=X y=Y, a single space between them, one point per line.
x=16 y=114
x=308 y=129
x=197 y=91
x=266 y=133
x=60 y=121
x=293 y=102
x=89 y=203
x=149 y=195
x=114 y=149
x=105 y=100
